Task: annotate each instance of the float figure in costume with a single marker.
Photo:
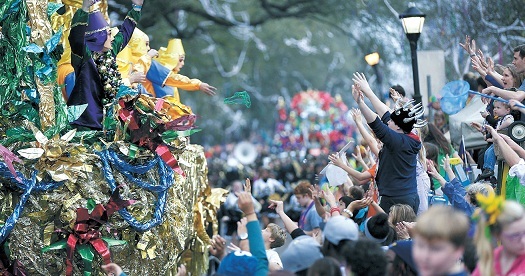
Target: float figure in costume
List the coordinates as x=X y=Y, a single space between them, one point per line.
x=134 y=61
x=65 y=72
x=164 y=73
x=93 y=58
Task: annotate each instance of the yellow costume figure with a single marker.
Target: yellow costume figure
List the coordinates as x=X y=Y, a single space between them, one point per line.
x=172 y=60
x=128 y=59
x=65 y=72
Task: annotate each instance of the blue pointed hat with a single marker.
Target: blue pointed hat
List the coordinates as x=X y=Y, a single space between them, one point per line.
x=97 y=31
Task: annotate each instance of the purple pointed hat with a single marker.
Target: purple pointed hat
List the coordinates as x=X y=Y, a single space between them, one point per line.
x=97 y=31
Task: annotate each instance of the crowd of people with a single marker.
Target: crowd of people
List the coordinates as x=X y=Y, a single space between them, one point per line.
x=385 y=220
x=381 y=220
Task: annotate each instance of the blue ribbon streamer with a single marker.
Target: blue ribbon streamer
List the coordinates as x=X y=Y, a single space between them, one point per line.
x=28 y=186
x=166 y=181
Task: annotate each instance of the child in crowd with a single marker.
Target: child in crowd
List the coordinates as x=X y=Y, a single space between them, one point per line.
x=502 y=110
x=273 y=236
x=439 y=239
x=506 y=223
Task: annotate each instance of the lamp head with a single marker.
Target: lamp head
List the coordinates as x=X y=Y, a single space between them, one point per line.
x=413 y=20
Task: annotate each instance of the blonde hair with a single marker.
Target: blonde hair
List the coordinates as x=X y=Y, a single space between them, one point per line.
x=511 y=212
x=401 y=212
x=441 y=222
x=278 y=235
x=475 y=188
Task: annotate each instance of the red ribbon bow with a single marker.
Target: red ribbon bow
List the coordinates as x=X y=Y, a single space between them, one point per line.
x=87 y=229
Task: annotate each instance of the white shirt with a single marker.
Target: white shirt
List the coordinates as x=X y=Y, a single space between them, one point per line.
x=519 y=171
x=273 y=257
x=263 y=189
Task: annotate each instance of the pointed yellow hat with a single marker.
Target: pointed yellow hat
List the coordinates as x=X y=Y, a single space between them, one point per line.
x=137 y=44
x=169 y=57
x=175 y=46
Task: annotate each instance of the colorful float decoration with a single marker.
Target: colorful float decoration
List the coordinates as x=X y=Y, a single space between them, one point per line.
x=313 y=120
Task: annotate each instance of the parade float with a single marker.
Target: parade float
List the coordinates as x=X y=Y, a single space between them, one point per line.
x=135 y=193
x=313 y=119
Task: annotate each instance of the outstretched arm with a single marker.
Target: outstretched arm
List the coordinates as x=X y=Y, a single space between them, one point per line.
x=379 y=106
x=318 y=205
x=369 y=139
x=368 y=114
x=505 y=94
x=289 y=224
x=359 y=176
x=510 y=156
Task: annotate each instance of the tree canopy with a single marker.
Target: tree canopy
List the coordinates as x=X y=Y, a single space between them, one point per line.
x=273 y=48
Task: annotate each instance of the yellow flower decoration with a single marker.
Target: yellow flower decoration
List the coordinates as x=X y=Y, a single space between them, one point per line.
x=491 y=205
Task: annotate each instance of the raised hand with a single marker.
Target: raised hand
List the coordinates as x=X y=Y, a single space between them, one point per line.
x=469 y=47
x=395 y=95
x=153 y=53
x=330 y=198
x=495 y=135
x=245 y=203
x=431 y=169
x=233 y=247
x=477 y=65
x=490 y=65
x=137 y=77
x=482 y=59
x=358 y=155
x=356 y=115
x=477 y=126
x=207 y=89
x=336 y=160
x=357 y=94
x=241 y=226
x=181 y=271
x=447 y=167
x=248 y=186
x=277 y=205
x=359 y=204
x=315 y=192
x=218 y=246
x=360 y=79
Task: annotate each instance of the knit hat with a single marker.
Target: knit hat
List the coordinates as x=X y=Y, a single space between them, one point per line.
x=339 y=228
x=96 y=31
x=238 y=263
x=301 y=253
x=406 y=117
x=377 y=228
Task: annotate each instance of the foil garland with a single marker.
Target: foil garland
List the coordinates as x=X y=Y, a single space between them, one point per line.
x=165 y=179
x=28 y=186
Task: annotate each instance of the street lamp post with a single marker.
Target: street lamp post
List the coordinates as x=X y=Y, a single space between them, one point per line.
x=372 y=60
x=413 y=20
